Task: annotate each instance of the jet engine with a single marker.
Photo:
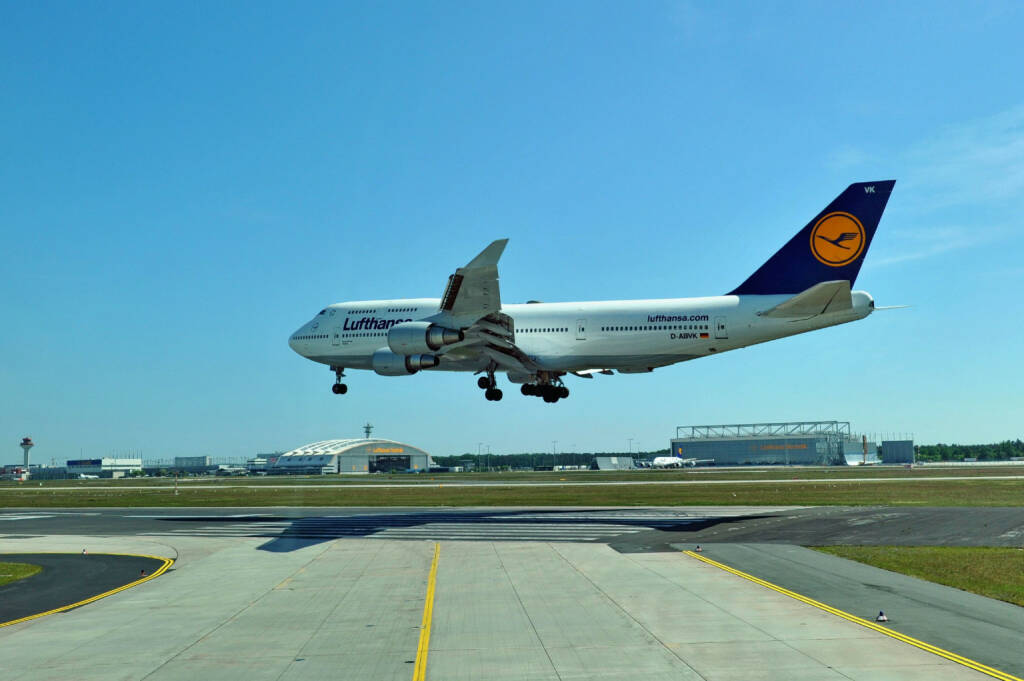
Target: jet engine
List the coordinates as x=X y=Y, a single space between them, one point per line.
x=387 y=363
x=410 y=338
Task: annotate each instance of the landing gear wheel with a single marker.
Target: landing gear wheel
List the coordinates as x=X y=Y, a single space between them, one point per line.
x=563 y=392
x=493 y=394
x=483 y=383
x=526 y=389
x=338 y=388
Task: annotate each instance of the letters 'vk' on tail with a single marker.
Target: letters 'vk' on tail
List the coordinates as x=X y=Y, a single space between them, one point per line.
x=831 y=247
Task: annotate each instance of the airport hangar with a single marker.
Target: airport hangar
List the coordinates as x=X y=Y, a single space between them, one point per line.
x=352 y=456
x=806 y=443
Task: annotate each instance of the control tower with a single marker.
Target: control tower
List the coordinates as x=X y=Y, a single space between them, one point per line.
x=27 y=444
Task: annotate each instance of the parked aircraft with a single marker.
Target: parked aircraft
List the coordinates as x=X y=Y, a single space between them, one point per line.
x=805 y=286
x=672 y=462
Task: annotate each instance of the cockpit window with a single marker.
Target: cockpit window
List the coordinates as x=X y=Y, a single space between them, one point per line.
x=322 y=312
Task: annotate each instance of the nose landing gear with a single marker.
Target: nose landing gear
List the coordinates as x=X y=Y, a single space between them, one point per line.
x=339 y=388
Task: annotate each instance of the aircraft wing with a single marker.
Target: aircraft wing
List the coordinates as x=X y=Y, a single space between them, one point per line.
x=472 y=303
x=472 y=292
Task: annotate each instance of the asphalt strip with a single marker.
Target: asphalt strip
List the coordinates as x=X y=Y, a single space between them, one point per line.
x=70 y=580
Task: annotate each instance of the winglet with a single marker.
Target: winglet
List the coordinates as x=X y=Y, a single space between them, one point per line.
x=488 y=256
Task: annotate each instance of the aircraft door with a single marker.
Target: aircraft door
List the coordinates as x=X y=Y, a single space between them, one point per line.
x=720 y=330
x=336 y=336
x=581 y=329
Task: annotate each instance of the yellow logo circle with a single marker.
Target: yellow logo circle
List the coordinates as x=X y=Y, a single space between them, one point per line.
x=837 y=239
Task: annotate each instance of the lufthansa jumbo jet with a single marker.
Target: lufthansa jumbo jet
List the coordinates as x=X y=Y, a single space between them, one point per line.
x=805 y=286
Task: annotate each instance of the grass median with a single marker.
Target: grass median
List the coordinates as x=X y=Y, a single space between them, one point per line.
x=12 y=572
x=958 y=492
x=989 y=571
x=643 y=475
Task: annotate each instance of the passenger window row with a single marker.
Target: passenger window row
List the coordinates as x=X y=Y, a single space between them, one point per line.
x=314 y=337
x=545 y=330
x=669 y=327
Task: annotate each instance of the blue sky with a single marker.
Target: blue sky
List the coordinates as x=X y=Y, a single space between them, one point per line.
x=183 y=184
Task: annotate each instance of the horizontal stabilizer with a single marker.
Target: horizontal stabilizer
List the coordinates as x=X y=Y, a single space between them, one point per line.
x=823 y=298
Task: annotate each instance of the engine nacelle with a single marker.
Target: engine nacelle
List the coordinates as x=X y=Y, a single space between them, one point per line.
x=387 y=363
x=413 y=338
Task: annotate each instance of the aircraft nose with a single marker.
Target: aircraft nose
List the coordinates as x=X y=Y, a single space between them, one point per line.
x=293 y=343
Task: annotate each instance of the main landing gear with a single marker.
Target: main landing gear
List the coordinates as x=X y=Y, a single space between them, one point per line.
x=339 y=388
x=550 y=393
x=487 y=384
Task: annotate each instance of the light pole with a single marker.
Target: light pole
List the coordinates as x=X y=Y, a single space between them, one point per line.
x=629 y=440
x=488 y=458
x=554 y=454
x=479 y=446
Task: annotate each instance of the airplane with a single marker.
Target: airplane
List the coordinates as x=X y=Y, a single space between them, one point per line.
x=805 y=286
x=672 y=462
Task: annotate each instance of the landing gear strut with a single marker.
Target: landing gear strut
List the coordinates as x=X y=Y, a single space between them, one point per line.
x=489 y=386
x=339 y=388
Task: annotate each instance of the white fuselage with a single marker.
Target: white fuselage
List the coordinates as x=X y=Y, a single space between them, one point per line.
x=630 y=336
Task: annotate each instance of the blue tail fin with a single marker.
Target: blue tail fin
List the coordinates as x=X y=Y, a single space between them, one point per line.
x=832 y=246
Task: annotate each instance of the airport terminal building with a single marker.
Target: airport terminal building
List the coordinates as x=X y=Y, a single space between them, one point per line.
x=352 y=456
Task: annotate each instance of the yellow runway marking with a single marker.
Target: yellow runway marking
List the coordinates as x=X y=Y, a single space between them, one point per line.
x=959 y=659
x=167 y=562
x=419 y=672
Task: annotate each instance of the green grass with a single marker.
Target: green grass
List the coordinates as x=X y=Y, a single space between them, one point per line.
x=774 y=473
x=284 y=492
x=993 y=572
x=12 y=572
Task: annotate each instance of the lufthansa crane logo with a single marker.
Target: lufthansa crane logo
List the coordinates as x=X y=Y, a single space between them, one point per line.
x=837 y=239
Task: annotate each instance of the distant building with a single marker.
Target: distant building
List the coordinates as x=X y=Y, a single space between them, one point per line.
x=760 y=444
x=613 y=463
x=187 y=462
x=352 y=456
x=898 y=451
x=105 y=467
x=262 y=463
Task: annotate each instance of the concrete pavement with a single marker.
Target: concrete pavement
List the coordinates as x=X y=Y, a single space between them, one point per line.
x=983 y=629
x=352 y=608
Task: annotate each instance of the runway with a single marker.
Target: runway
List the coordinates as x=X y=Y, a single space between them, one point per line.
x=520 y=594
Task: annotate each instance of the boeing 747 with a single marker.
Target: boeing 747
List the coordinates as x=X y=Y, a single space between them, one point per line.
x=805 y=286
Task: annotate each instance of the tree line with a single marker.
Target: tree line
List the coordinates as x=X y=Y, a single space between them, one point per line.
x=995 y=452
x=533 y=460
